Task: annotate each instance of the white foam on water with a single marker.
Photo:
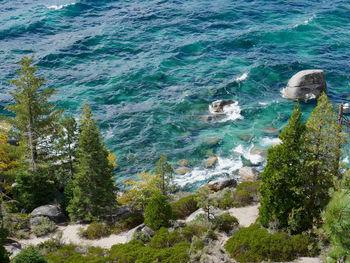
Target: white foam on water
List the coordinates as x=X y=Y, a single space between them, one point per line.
x=58 y=7
x=346 y=160
x=230 y=112
x=223 y=165
x=242 y=77
x=306 y=22
x=253 y=158
x=270 y=141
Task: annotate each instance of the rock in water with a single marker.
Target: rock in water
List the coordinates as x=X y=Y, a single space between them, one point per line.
x=210 y=162
x=183 y=162
x=248 y=174
x=245 y=137
x=212 y=141
x=182 y=170
x=217 y=107
x=306 y=84
x=221 y=184
x=270 y=130
x=53 y=212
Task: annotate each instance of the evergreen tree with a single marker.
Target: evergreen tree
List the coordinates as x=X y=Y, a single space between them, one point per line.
x=321 y=151
x=281 y=181
x=337 y=225
x=206 y=201
x=93 y=185
x=66 y=147
x=35 y=118
x=165 y=172
x=4 y=257
x=158 y=212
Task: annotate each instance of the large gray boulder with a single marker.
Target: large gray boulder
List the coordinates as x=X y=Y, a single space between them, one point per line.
x=221 y=184
x=53 y=212
x=306 y=84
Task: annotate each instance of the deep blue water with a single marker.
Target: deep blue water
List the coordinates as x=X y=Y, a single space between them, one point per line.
x=150 y=69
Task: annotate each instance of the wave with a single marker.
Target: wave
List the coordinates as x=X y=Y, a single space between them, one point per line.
x=58 y=7
x=223 y=169
x=306 y=22
x=255 y=159
x=242 y=77
x=230 y=112
x=270 y=141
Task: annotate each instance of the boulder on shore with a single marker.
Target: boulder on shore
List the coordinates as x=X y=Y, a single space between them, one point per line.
x=53 y=212
x=306 y=84
x=218 y=185
x=248 y=174
x=183 y=162
x=217 y=107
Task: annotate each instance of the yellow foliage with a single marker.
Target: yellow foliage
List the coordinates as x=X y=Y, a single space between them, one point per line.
x=140 y=191
x=6 y=162
x=112 y=159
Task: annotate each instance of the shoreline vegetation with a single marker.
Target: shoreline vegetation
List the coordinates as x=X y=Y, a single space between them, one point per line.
x=59 y=201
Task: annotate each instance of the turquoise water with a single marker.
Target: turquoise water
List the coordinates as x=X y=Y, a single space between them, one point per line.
x=151 y=68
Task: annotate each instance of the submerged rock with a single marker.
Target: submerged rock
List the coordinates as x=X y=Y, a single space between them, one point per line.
x=183 y=163
x=258 y=151
x=212 y=141
x=221 y=184
x=248 y=174
x=182 y=170
x=218 y=105
x=210 y=162
x=271 y=130
x=245 y=137
x=306 y=84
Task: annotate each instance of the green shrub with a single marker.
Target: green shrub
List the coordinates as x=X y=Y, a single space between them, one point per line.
x=184 y=207
x=74 y=254
x=142 y=236
x=163 y=238
x=129 y=221
x=18 y=225
x=96 y=230
x=225 y=222
x=250 y=186
x=44 y=227
x=50 y=245
x=158 y=212
x=29 y=255
x=255 y=244
x=242 y=198
x=4 y=256
x=192 y=230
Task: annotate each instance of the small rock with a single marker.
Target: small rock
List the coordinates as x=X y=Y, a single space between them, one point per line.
x=270 y=130
x=221 y=184
x=210 y=162
x=13 y=248
x=305 y=84
x=217 y=106
x=182 y=170
x=123 y=210
x=248 y=174
x=245 y=137
x=148 y=231
x=212 y=141
x=130 y=233
x=183 y=163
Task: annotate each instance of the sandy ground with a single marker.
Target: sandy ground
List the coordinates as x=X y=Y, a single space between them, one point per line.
x=70 y=236
x=246 y=215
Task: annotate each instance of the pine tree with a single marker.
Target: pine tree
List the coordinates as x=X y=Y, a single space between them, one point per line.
x=165 y=171
x=93 y=185
x=35 y=118
x=281 y=180
x=206 y=201
x=66 y=147
x=321 y=153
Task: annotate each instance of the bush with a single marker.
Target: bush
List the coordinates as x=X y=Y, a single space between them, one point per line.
x=242 y=198
x=255 y=244
x=96 y=230
x=184 y=207
x=250 y=186
x=29 y=255
x=129 y=221
x=4 y=256
x=44 y=227
x=50 y=245
x=17 y=224
x=225 y=222
x=142 y=236
x=158 y=212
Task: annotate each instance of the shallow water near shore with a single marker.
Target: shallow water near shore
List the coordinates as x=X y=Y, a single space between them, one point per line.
x=150 y=70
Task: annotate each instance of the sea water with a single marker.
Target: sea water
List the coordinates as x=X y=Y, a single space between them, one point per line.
x=150 y=69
